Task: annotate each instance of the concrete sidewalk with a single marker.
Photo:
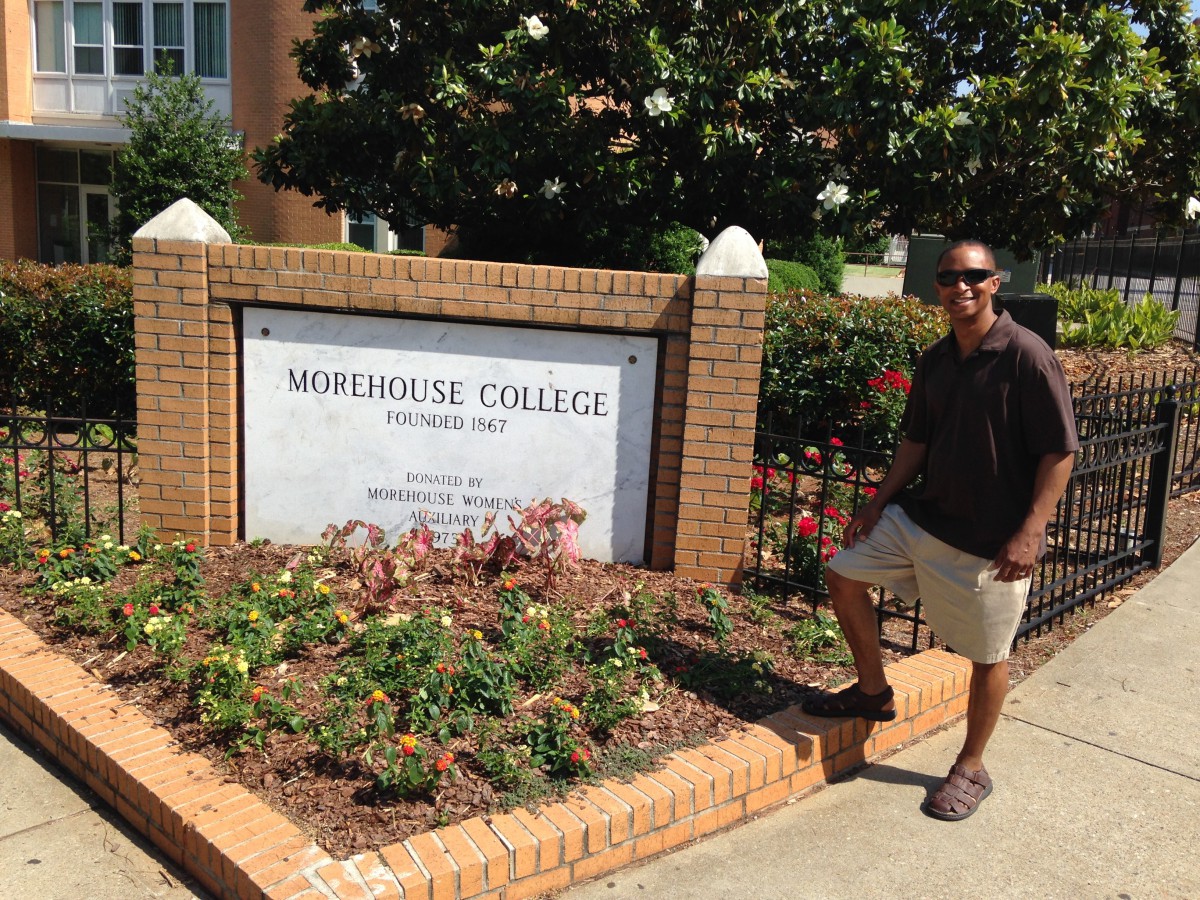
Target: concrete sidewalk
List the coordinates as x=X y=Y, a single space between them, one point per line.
x=59 y=842
x=1097 y=774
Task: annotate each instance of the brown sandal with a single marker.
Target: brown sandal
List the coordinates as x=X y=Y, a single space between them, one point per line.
x=960 y=794
x=852 y=702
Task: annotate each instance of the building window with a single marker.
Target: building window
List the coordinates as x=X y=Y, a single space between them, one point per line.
x=211 y=55
x=371 y=232
x=50 y=51
x=74 y=206
x=129 y=54
x=89 y=39
x=111 y=37
x=168 y=38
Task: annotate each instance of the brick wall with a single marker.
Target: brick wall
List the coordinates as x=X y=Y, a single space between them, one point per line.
x=188 y=298
x=18 y=210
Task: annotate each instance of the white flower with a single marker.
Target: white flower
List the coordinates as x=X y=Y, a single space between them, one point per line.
x=658 y=102
x=551 y=189
x=285 y=577
x=446 y=621
x=834 y=195
x=618 y=663
x=974 y=165
x=536 y=29
x=839 y=173
x=1192 y=208
x=363 y=46
x=962 y=119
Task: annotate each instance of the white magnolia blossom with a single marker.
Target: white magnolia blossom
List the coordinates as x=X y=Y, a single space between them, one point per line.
x=974 y=165
x=962 y=119
x=1192 y=208
x=551 y=189
x=364 y=46
x=536 y=29
x=834 y=195
x=658 y=102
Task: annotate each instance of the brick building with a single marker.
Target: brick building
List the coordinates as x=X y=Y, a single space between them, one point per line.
x=66 y=67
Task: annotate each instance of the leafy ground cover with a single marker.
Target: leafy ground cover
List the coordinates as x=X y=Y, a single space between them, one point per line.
x=368 y=707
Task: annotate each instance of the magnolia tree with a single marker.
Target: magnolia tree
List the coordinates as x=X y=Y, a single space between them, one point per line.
x=539 y=131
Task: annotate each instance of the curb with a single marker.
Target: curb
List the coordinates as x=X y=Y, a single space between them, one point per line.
x=236 y=846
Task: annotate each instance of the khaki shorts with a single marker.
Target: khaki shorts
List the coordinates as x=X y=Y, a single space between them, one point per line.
x=976 y=615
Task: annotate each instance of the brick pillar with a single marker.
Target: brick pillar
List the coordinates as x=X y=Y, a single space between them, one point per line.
x=186 y=392
x=728 y=317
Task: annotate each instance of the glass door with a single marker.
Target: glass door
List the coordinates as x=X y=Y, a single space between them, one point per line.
x=98 y=210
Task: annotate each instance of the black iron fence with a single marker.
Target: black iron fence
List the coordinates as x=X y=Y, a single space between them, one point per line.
x=1168 y=267
x=68 y=473
x=1138 y=448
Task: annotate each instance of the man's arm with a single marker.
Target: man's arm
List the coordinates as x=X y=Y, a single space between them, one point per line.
x=906 y=466
x=1016 y=558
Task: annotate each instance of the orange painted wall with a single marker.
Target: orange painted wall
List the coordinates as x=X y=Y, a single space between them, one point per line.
x=16 y=61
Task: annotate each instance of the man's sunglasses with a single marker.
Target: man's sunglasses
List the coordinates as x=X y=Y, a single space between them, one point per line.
x=949 y=277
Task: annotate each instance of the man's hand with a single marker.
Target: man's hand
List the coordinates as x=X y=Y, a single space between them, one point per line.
x=1016 y=558
x=861 y=523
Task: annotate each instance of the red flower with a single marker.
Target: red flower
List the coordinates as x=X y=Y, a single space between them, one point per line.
x=835 y=442
x=190 y=548
x=441 y=667
x=870 y=491
x=756 y=482
x=127 y=609
x=807 y=526
x=154 y=609
x=407 y=749
x=622 y=623
x=4 y=507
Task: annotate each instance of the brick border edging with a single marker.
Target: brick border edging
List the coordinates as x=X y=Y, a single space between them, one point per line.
x=237 y=846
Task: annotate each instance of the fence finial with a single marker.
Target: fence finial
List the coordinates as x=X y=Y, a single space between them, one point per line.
x=184 y=220
x=733 y=252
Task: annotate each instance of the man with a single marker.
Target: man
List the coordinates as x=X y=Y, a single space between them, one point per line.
x=990 y=432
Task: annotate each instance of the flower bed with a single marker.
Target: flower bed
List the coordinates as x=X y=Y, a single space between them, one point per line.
x=372 y=692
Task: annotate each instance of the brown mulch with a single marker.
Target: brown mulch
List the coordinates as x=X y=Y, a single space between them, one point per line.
x=337 y=805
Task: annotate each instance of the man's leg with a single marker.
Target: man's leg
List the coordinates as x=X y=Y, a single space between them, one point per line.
x=989 y=687
x=856 y=615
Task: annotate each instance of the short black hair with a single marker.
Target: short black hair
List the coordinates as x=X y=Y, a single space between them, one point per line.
x=969 y=242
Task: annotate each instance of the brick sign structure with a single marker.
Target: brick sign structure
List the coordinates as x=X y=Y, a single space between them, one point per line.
x=191 y=288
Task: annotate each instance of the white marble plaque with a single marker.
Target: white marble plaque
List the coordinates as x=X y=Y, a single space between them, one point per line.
x=401 y=422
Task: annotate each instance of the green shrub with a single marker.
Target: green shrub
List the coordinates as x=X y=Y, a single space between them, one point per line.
x=820 y=352
x=1100 y=318
x=66 y=334
x=338 y=245
x=784 y=276
x=647 y=249
x=820 y=253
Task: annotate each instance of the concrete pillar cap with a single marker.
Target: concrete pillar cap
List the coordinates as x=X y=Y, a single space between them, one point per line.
x=733 y=253
x=184 y=220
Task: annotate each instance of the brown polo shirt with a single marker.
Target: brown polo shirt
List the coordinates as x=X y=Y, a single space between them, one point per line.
x=985 y=422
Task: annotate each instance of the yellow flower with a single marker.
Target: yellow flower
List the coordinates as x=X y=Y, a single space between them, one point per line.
x=322 y=589
x=134 y=556
x=252 y=615
x=256 y=587
x=477 y=634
